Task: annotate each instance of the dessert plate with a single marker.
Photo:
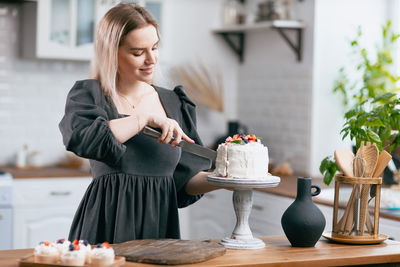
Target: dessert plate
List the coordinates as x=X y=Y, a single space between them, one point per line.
x=267 y=181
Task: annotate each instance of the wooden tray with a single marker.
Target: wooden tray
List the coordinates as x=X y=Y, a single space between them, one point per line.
x=30 y=261
x=354 y=239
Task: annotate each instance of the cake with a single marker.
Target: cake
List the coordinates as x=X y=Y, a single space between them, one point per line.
x=74 y=256
x=85 y=247
x=46 y=252
x=102 y=254
x=242 y=157
x=61 y=245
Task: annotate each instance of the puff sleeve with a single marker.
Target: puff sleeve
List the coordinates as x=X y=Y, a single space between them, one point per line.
x=189 y=164
x=84 y=126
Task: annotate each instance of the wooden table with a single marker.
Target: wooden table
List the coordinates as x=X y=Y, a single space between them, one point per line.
x=279 y=252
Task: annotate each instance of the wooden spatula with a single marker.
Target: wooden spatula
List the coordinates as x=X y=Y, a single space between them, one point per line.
x=383 y=160
x=344 y=160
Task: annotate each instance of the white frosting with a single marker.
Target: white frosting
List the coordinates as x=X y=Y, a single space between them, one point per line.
x=74 y=257
x=86 y=250
x=242 y=161
x=44 y=250
x=62 y=246
x=102 y=256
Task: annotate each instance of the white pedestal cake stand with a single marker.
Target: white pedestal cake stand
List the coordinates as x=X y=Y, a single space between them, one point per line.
x=242 y=238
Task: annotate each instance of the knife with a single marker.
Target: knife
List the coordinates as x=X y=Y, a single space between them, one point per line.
x=186 y=146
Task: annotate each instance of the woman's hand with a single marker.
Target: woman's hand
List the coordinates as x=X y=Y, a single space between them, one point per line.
x=169 y=128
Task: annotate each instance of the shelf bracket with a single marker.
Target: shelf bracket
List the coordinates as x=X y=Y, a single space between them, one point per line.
x=297 y=48
x=238 y=46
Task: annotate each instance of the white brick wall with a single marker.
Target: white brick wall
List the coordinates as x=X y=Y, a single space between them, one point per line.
x=32 y=95
x=275 y=91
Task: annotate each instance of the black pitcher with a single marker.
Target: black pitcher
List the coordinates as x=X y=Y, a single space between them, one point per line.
x=303 y=222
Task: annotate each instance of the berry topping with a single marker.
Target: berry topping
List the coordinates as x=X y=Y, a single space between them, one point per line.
x=76 y=242
x=242 y=139
x=41 y=242
x=98 y=245
x=71 y=247
x=77 y=247
x=46 y=243
x=106 y=244
x=61 y=241
x=85 y=242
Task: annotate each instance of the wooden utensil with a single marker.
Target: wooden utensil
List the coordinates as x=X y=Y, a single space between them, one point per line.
x=344 y=160
x=370 y=153
x=345 y=223
x=383 y=160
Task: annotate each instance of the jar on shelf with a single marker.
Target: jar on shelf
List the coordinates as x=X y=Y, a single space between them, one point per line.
x=233 y=13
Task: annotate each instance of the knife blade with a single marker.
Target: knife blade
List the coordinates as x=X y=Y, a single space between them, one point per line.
x=196 y=149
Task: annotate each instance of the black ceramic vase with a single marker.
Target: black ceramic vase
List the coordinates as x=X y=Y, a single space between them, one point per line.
x=303 y=222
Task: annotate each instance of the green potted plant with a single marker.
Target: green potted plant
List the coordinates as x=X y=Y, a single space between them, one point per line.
x=371 y=101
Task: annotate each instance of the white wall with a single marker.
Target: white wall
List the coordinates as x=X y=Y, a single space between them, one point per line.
x=274 y=91
x=187 y=38
x=336 y=23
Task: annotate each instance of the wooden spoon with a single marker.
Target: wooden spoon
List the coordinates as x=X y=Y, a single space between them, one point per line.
x=370 y=154
x=344 y=160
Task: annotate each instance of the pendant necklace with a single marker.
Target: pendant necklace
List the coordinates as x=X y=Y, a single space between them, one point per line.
x=140 y=99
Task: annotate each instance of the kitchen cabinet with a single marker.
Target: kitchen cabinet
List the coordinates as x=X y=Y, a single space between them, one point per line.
x=210 y=217
x=213 y=215
x=58 y=29
x=44 y=208
x=65 y=29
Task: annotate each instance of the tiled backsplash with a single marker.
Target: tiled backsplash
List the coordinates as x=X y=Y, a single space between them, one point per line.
x=32 y=95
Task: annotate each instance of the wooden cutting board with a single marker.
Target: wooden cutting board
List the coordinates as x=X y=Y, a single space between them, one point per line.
x=168 y=251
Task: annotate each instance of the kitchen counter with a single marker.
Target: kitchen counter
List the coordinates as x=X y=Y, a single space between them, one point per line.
x=278 y=252
x=288 y=188
x=45 y=172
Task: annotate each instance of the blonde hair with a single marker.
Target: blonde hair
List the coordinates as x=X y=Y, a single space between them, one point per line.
x=110 y=35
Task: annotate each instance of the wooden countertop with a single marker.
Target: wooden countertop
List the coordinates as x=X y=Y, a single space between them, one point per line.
x=45 y=172
x=278 y=252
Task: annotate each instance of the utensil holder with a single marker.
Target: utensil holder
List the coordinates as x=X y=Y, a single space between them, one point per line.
x=350 y=224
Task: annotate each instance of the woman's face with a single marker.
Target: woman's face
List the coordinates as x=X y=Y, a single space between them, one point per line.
x=138 y=55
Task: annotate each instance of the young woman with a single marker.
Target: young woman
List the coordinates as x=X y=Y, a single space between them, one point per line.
x=139 y=182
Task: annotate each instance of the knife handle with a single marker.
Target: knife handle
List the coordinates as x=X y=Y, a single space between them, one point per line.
x=151 y=132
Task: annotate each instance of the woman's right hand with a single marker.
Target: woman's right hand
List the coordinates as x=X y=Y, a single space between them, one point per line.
x=169 y=128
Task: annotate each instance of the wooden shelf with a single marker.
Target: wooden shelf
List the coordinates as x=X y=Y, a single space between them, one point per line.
x=235 y=35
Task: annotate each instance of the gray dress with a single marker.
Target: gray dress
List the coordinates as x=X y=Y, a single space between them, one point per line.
x=137 y=186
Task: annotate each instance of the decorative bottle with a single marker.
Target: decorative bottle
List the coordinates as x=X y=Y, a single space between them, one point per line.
x=303 y=222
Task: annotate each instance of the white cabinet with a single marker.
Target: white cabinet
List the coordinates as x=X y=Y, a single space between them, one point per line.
x=44 y=208
x=213 y=215
x=65 y=29
x=210 y=217
x=265 y=217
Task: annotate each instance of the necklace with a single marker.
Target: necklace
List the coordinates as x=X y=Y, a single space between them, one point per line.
x=138 y=102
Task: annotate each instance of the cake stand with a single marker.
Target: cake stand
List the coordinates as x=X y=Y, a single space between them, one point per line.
x=241 y=237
